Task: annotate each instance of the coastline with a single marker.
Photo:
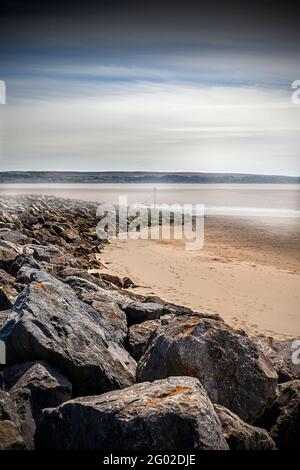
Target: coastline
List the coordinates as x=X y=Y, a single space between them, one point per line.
x=247 y=272
x=79 y=346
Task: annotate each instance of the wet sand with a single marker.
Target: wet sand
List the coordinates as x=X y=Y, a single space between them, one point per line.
x=248 y=272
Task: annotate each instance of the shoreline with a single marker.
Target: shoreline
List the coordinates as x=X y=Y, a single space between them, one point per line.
x=247 y=273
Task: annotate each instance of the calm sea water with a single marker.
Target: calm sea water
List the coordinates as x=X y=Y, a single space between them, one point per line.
x=224 y=199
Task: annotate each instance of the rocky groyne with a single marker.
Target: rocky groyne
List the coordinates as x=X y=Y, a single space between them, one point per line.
x=91 y=365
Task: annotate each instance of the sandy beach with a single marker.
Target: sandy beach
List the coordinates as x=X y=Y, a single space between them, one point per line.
x=247 y=272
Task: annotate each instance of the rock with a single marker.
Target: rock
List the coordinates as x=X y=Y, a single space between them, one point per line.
x=8 y=296
x=19 y=262
x=34 y=386
x=167 y=414
x=231 y=368
x=136 y=310
x=8 y=252
x=70 y=235
x=15 y=237
x=3 y=316
x=107 y=309
x=127 y=283
x=124 y=283
x=8 y=293
x=242 y=436
x=280 y=354
x=282 y=419
x=115 y=280
x=8 y=410
x=49 y=323
x=5 y=304
x=25 y=273
x=10 y=438
x=7 y=217
x=6 y=278
x=45 y=252
x=68 y=272
x=138 y=337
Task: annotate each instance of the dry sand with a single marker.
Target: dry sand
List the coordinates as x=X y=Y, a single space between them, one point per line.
x=248 y=272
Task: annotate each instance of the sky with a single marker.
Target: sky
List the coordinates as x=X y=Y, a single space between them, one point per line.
x=150 y=86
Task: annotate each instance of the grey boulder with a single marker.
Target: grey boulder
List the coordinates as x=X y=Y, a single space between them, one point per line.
x=242 y=436
x=34 y=386
x=282 y=419
x=10 y=438
x=231 y=368
x=8 y=410
x=163 y=415
x=48 y=322
x=280 y=353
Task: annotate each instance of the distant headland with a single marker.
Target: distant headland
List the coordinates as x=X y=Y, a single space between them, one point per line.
x=141 y=177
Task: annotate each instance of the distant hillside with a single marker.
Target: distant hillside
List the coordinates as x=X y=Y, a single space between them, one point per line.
x=139 y=177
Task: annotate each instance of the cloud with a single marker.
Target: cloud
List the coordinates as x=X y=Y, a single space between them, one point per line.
x=162 y=88
x=157 y=126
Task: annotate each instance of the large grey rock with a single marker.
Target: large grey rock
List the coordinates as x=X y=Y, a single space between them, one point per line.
x=282 y=419
x=163 y=415
x=231 y=368
x=280 y=353
x=48 y=322
x=10 y=438
x=242 y=436
x=34 y=386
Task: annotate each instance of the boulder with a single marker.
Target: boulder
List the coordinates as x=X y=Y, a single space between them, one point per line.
x=8 y=410
x=169 y=414
x=15 y=237
x=229 y=365
x=6 y=278
x=242 y=436
x=8 y=292
x=282 y=419
x=48 y=322
x=70 y=234
x=20 y=261
x=8 y=252
x=67 y=271
x=45 y=252
x=3 y=316
x=8 y=296
x=280 y=354
x=138 y=312
x=34 y=386
x=10 y=439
